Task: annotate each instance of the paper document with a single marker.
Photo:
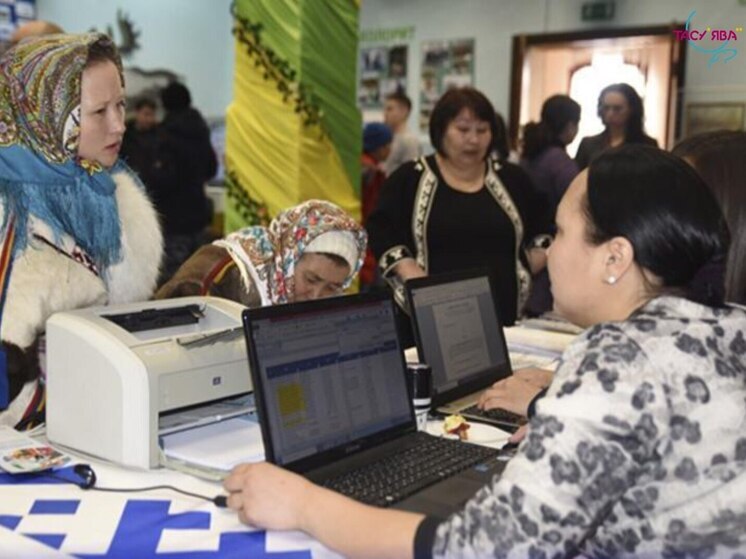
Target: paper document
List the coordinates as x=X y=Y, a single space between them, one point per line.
x=539 y=342
x=20 y=454
x=219 y=446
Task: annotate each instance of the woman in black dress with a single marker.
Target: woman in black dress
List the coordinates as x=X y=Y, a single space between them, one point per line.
x=460 y=208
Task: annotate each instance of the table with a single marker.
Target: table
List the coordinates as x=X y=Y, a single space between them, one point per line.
x=42 y=517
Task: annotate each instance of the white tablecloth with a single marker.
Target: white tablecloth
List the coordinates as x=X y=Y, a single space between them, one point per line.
x=40 y=517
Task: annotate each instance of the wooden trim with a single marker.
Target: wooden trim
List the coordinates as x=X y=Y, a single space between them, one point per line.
x=521 y=44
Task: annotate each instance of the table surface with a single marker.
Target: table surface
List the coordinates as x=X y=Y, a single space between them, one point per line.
x=42 y=517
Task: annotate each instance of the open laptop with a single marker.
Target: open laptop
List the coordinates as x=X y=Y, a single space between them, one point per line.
x=331 y=393
x=458 y=333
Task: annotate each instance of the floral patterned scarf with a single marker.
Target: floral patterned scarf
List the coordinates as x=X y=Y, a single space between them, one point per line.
x=40 y=172
x=267 y=255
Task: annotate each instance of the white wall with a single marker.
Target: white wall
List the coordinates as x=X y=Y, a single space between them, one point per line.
x=494 y=22
x=192 y=38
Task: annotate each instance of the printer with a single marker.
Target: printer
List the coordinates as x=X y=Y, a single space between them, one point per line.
x=120 y=376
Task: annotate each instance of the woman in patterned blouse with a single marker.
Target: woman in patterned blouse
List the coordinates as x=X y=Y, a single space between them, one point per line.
x=638 y=449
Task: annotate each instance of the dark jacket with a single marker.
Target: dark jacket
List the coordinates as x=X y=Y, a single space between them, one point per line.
x=181 y=199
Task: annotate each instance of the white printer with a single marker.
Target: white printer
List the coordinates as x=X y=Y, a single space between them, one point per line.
x=118 y=377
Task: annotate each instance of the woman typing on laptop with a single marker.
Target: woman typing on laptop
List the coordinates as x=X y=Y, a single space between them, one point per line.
x=637 y=448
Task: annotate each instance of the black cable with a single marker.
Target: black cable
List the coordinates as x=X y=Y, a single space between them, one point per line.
x=219 y=501
x=88 y=484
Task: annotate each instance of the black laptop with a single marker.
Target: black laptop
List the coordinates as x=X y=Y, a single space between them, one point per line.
x=330 y=386
x=458 y=333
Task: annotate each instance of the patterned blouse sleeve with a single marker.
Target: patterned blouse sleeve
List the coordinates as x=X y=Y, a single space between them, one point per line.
x=599 y=421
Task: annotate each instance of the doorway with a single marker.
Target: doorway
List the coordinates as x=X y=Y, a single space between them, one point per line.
x=581 y=64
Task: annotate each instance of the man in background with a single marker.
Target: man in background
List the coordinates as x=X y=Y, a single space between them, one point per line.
x=405 y=146
x=182 y=202
x=143 y=148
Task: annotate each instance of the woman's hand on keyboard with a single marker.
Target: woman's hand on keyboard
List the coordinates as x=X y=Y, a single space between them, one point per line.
x=513 y=394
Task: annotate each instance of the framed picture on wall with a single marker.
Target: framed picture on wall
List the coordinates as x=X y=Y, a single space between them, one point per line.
x=445 y=65
x=707 y=117
x=383 y=70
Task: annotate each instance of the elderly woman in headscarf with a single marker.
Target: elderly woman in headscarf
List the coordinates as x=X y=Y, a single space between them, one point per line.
x=76 y=227
x=309 y=251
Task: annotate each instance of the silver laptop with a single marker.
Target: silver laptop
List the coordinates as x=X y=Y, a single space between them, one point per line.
x=458 y=334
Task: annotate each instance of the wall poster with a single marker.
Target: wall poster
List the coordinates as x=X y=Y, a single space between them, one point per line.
x=445 y=64
x=383 y=65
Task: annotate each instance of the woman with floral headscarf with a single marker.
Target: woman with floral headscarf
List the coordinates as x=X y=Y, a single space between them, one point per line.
x=76 y=228
x=309 y=251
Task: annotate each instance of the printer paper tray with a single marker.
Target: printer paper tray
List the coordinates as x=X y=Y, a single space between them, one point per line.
x=219 y=446
x=205 y=415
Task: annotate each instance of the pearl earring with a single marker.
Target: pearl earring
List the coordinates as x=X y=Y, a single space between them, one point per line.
x=611 y=280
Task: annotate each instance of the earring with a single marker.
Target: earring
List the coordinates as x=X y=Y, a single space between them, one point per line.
x=611 y=280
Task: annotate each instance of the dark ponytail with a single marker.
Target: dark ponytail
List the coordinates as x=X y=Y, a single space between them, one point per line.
x=556 y=113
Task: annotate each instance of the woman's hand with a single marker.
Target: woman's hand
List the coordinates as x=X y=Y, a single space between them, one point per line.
x=408 y=269
x=537 y=259
x=267 y=496
x=513 y=394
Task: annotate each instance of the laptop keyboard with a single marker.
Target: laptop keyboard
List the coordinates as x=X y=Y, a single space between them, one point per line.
x=495 y=414
x=428 y=461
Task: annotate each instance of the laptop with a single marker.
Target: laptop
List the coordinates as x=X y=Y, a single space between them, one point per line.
x=331 y=394
x=458 y=334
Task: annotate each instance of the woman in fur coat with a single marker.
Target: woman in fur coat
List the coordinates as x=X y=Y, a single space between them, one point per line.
x=76 y=228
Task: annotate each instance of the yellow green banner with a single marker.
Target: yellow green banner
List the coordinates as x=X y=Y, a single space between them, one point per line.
x=293 y=130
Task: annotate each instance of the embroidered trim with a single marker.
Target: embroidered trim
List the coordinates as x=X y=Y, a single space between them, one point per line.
x=75 y=253
x=215 y=275
x=500 y=193
x=423 y=203
x=391 y=258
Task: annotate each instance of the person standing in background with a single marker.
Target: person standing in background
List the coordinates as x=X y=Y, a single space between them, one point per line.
x=544 y=157
x=621 y=112
x=142 y=147
x=551 y=170
x=377 y=139
x=182 y=201
x=405 y=147
x=718 y=157
x=34 y=29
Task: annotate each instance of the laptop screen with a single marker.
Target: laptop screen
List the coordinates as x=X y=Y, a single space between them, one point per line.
x=458 y=331
x=329 y=375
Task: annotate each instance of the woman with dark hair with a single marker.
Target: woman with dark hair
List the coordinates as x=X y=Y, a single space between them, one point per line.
x=719 y=158
x=551 y=171
x=460 y=208
x=638 y=448
x=622 y=113
x=544 y=157
x=75 y=224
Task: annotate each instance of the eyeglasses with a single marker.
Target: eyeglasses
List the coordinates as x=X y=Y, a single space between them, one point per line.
x=612 y=108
